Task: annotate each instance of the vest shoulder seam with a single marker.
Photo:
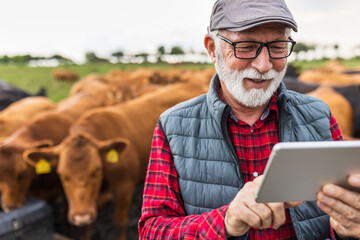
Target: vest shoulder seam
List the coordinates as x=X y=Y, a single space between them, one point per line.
x=198 y=159
x=209 y=138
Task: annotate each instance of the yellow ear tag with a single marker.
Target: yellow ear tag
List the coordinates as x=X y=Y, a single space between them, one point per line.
x=42 y=166
x=112 y=156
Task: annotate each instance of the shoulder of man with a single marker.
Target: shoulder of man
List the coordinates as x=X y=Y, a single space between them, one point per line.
x=296 y=98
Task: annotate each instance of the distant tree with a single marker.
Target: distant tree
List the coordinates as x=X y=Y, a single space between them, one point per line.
x=91 y=57
x=300 y=47
x=21 y=59
x=144 y=56
x=160 y=52
x=177 y=50
x=336 y=48
x=4 y=59
x=61 y=59
x=118 y=54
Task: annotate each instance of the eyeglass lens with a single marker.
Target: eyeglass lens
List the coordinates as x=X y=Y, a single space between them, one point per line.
x=279 y=49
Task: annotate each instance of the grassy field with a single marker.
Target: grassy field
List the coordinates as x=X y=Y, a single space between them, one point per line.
x=33 y=78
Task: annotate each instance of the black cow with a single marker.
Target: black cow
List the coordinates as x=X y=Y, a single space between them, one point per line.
x=10 y=94
x=351 y=93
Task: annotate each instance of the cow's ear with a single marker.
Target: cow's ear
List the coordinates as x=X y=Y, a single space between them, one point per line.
x=111 y=150
x=41 y=144
x=44 y=160
x=3 y=138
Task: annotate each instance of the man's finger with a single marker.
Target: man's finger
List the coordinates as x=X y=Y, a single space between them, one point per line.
x=263 y=211
x=278 y=214
x=340 y=211
x=292 y=204
x=350 y=198
x=248 y=216
x=354 y=180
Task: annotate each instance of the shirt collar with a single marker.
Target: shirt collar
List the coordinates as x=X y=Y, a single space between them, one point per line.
x=272 y=106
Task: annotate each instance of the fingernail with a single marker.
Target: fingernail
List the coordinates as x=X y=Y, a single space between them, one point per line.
x=355 y=180
x=330 y=190
x=323 y=198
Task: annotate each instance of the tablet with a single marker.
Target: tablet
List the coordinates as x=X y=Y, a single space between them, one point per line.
x=297 y=170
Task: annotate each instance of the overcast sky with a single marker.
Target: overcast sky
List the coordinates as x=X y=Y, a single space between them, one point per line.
x=73 y=27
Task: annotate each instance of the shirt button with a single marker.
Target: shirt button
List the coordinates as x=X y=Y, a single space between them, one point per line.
x=252 y=130
x=255 y=174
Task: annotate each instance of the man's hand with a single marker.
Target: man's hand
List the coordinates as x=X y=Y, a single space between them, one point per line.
x=244 y=212
x=343 y=207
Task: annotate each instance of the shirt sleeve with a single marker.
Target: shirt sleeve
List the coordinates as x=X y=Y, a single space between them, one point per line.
x=162 y=214
x=336 y=136
x=335 y=130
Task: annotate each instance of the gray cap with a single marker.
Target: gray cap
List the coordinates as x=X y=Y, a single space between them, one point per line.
x=239 y=15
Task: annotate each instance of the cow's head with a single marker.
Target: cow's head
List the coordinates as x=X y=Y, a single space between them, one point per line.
x=15 y=175
x=81 y=160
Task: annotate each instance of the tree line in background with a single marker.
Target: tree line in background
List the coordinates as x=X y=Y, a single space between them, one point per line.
x=303 y=49
x=160 y=56
x=92 y=57
x=26 y=59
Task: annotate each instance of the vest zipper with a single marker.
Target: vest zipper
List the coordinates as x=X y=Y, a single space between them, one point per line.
x=228 y=142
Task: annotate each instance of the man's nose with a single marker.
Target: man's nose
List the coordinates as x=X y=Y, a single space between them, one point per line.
x=262 y=62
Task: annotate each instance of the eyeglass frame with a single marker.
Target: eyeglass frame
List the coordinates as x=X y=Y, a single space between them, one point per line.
x=262 y=44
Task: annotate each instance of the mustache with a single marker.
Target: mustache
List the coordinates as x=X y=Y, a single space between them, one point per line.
x=254 y=74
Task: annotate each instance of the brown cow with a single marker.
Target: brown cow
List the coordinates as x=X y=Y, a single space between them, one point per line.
x=65 y=75
x=340 y=108
x=94 y=83
x=131 y=81
x=21 y=111
x=15 y=175
x=109 y=146
x=330 y=78
x=45 y=130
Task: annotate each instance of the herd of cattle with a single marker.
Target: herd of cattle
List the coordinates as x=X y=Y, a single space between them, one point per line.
x=93 y=147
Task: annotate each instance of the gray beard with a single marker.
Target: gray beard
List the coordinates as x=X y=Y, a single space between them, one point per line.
x=233 y=81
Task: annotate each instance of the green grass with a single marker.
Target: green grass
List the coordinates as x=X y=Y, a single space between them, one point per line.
x=33 y=78
x=303 y=65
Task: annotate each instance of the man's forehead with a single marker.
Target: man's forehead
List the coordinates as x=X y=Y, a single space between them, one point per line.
x=276 y=28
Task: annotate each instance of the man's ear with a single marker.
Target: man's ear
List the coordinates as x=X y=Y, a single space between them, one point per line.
x=209 y=43
x=44 y=160
x=111 y=150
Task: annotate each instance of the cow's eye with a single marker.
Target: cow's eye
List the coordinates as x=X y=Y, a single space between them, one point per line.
x=96 y=173
x=21 y=177
x=65 y=178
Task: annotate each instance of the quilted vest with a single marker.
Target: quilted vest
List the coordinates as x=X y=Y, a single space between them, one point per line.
x=206 y=162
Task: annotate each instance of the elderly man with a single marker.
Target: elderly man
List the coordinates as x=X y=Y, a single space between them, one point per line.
x=208 y=152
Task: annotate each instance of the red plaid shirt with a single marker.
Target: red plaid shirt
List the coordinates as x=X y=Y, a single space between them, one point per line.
x=163 y=214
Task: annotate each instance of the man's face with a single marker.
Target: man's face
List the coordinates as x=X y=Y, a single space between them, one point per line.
x=251 y=81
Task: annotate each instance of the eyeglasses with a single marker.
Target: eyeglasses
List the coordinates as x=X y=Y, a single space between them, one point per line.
x=252 y=49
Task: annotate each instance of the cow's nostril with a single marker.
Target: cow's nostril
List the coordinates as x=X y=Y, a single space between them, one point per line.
x=82 y=219
x=9 y=208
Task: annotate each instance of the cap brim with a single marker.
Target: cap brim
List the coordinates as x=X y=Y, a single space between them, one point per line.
x=254 y=24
